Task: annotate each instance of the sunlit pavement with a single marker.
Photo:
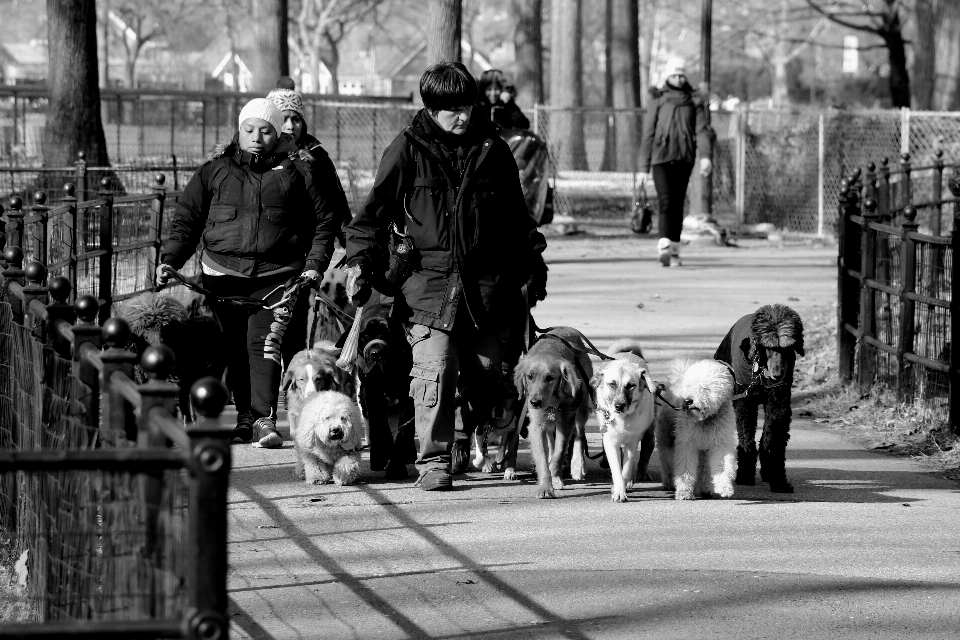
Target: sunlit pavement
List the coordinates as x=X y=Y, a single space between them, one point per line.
x=866 y=547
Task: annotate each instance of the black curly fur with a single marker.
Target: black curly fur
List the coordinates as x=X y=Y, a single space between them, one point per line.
x=775 y=334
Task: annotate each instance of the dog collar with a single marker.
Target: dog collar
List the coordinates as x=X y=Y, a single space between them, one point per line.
x=605 y=420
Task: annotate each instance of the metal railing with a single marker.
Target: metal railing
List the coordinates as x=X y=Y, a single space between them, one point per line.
x=118 y=512
x=897 y=315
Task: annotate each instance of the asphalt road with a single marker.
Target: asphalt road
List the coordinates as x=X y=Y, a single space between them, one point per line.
x=867 y=547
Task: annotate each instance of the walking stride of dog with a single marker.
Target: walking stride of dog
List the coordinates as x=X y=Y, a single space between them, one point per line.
x=761 y=349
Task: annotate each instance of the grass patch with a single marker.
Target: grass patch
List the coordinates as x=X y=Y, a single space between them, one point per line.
x=875 y=420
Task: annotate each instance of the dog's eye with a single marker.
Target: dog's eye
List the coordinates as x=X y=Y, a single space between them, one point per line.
x=548 y=379
x=629 y=386
x=530 y=376
x=612 y=384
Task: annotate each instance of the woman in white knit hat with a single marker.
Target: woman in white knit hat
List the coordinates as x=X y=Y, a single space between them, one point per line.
x=674 y=125
x=260 y=215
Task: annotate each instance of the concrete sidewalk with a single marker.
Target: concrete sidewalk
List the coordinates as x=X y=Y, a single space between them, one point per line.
x=866 y=547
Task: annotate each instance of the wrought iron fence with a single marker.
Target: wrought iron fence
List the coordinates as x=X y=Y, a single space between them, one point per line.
x=897 y=316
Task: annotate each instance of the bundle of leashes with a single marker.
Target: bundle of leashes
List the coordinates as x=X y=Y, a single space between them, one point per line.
x=348 y=354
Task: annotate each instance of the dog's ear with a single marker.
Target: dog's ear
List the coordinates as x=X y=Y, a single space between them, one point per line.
x=519 y=374
x=570 y=383
x=798 y=346
x=596 y=380
x=746 y=348
x=287 y=380
x=648 y=379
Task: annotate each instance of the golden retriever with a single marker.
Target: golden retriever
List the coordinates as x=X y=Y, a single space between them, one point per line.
x=625 y=392
x=553 y=378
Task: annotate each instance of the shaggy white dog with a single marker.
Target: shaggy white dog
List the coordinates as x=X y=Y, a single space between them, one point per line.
x=625 y=392
x=698 y=440
x=328 y=438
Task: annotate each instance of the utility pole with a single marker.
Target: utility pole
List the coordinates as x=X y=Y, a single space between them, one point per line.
x=706 y=37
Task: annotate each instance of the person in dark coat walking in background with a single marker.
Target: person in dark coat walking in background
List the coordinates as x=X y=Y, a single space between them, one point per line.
x=450 y=183
x=260 y=216
x=674 y=126
x=290 y=103
x=497 y=101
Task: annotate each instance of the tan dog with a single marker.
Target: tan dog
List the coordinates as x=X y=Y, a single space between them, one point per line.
x=311 y=371
x=625 y=392
x=328 y=438
x=698 y=440
x=553 y=378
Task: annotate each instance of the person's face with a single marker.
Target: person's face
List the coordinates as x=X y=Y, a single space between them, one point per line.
x=258 y=136
x=292 y=124
x=676 y=80
x=492 y=93
x=454 y=121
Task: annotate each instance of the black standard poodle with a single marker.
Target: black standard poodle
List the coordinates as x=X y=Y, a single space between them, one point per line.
x=761 y=349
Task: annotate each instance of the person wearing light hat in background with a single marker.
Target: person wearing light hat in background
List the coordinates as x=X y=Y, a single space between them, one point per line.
x=259 y=220
x=674 y=125
x=290 y=103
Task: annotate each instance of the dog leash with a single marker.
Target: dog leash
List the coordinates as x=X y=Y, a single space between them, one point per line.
x=289 y=288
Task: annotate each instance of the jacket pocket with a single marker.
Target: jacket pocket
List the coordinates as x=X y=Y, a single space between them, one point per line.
x=220 y=213
x=275 y=215
x=424 y=385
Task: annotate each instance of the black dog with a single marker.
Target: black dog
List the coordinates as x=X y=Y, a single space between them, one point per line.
x=190 y=331
x=384 y=361
x=761 y=349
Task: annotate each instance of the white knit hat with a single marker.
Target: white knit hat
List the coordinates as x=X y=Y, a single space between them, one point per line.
x=286 y=96
x=263 y=109
x=675 y=66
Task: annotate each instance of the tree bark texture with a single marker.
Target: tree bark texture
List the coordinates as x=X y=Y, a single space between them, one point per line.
x=624 y=63
x=566 y=85
x=648 y=28
x=283 y=34
x=73 y=113
x=899 y=77
x=609 y=161
x=946 y=91
x=926 y=14
x=528 y=45
x=444 y=31
x=265 y=55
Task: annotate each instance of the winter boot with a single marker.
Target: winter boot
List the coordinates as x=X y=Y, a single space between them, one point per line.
x=266 y=433
x=674 y=255
x=663 y=251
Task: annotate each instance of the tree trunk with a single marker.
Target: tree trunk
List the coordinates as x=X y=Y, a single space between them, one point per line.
x=444 y=31
x=946 y=82
x=609 y=161
x=528 y=44
x=624 y=64
x=779 y=92
x=265 y=55
x=648 y=28
x=566 y=84
x=332 y=62
x=130 y=79
x=926 y=13
x=283 y=33
x=899 y=77
x=73 y=112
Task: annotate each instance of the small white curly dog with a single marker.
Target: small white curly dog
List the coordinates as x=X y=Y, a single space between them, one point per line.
x=328 y=438
x=625 y=393
x=698 y=440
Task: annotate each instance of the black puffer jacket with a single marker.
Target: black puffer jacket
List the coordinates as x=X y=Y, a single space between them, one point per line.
x=476 y=242
x=674 y=126
x=257 y=214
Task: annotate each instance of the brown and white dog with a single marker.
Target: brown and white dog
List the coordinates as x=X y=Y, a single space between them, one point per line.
x=329 y=433
x=625 y=392
x=311 y=371
x=553 y=377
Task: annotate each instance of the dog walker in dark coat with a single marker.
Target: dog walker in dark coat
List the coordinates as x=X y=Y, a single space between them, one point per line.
x=761 y=349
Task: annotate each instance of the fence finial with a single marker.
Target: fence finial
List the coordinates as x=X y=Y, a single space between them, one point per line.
x=35 y=272
x=14 y=257
x=87 y=307
x=209 y=396
x=158 y=362
x=16 y=203
x=910 y=213
x=59 y=289
x=40 y=197
x=870 y=205
x=116 y=333
x=105 y=184
x=70 y=189
x=82 y=155
x=160 y=178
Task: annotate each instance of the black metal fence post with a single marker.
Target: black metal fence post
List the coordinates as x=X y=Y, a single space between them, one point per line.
x=156 y=217
x=118 y=419
x=14 y=226
x=954 y=184
x=13 y=256
x=209 y=481
x=87 y=331
x=847 y=296
x=59 y=309
x=68 y=233
x=81 y=176
x=908 y=284
x=866 y=362
x=883 y=188
x=907 y=191
x=34 y=289
x=105 y=284
x=38 y=226
x=937 y=210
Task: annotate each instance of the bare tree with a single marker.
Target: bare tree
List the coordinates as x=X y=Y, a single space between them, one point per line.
x=624 y=63
x=926 y=16
x=265 y=56
x=946 y=88
x=883 y=19
x=528 y=45
x=444 y=31
x=648 y=30
x=73 y=112
x=566 y=83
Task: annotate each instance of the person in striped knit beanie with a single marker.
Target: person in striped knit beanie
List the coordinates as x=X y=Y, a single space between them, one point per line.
x=290 y=103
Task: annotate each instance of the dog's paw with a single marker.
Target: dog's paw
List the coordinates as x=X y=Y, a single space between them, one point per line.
x=725 y=492
x=298 y=471
x=545 y=491
x=318 y=479
x=346 y=470
x=684 y=494
x=628 y=484
x=509 y=474
x=619 y=496
x=557 y=483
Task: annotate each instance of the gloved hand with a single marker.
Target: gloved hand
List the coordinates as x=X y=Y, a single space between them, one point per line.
x=163 y=275
x=706 y=166
x=358 y=286
x=312 y=277
x=643 y=177
x=537 y=284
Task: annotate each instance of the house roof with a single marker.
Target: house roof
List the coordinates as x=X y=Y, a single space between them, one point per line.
x=415 y=61
x=27 y=53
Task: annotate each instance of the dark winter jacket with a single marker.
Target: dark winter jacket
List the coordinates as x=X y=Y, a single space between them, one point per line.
x=476 y=242
x=674 y=125
x=506 y=114
x=253 y=214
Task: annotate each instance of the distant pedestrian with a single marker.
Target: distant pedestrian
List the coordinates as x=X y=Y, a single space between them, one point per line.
x=497 y=101
x=674 y=125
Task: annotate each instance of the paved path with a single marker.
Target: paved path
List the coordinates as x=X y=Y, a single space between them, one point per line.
x=866 y=548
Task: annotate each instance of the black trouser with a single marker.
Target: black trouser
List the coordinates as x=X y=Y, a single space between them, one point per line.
x=253 y=378
x=671 y=179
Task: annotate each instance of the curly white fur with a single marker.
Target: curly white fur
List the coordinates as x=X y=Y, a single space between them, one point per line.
x=328 y=438
x=698 y=444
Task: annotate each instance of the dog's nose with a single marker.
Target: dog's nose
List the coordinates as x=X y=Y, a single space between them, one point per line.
x=688 y=404
x=619 y=406
x=536 y=403
x=336 y=433
x=374 y=349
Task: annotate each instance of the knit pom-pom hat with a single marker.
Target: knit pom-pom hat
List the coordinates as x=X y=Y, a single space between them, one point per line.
x=263 y=109
x=286 y=96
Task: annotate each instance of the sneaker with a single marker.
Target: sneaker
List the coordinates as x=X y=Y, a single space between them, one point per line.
x=243 y=432
x=663 y=251
x=459 y=456
x=435 y=480
x=675 y=261
x=267 y=435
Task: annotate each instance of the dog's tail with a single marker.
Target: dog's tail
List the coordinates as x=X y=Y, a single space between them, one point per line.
x=626 y=345
x=326 y=345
